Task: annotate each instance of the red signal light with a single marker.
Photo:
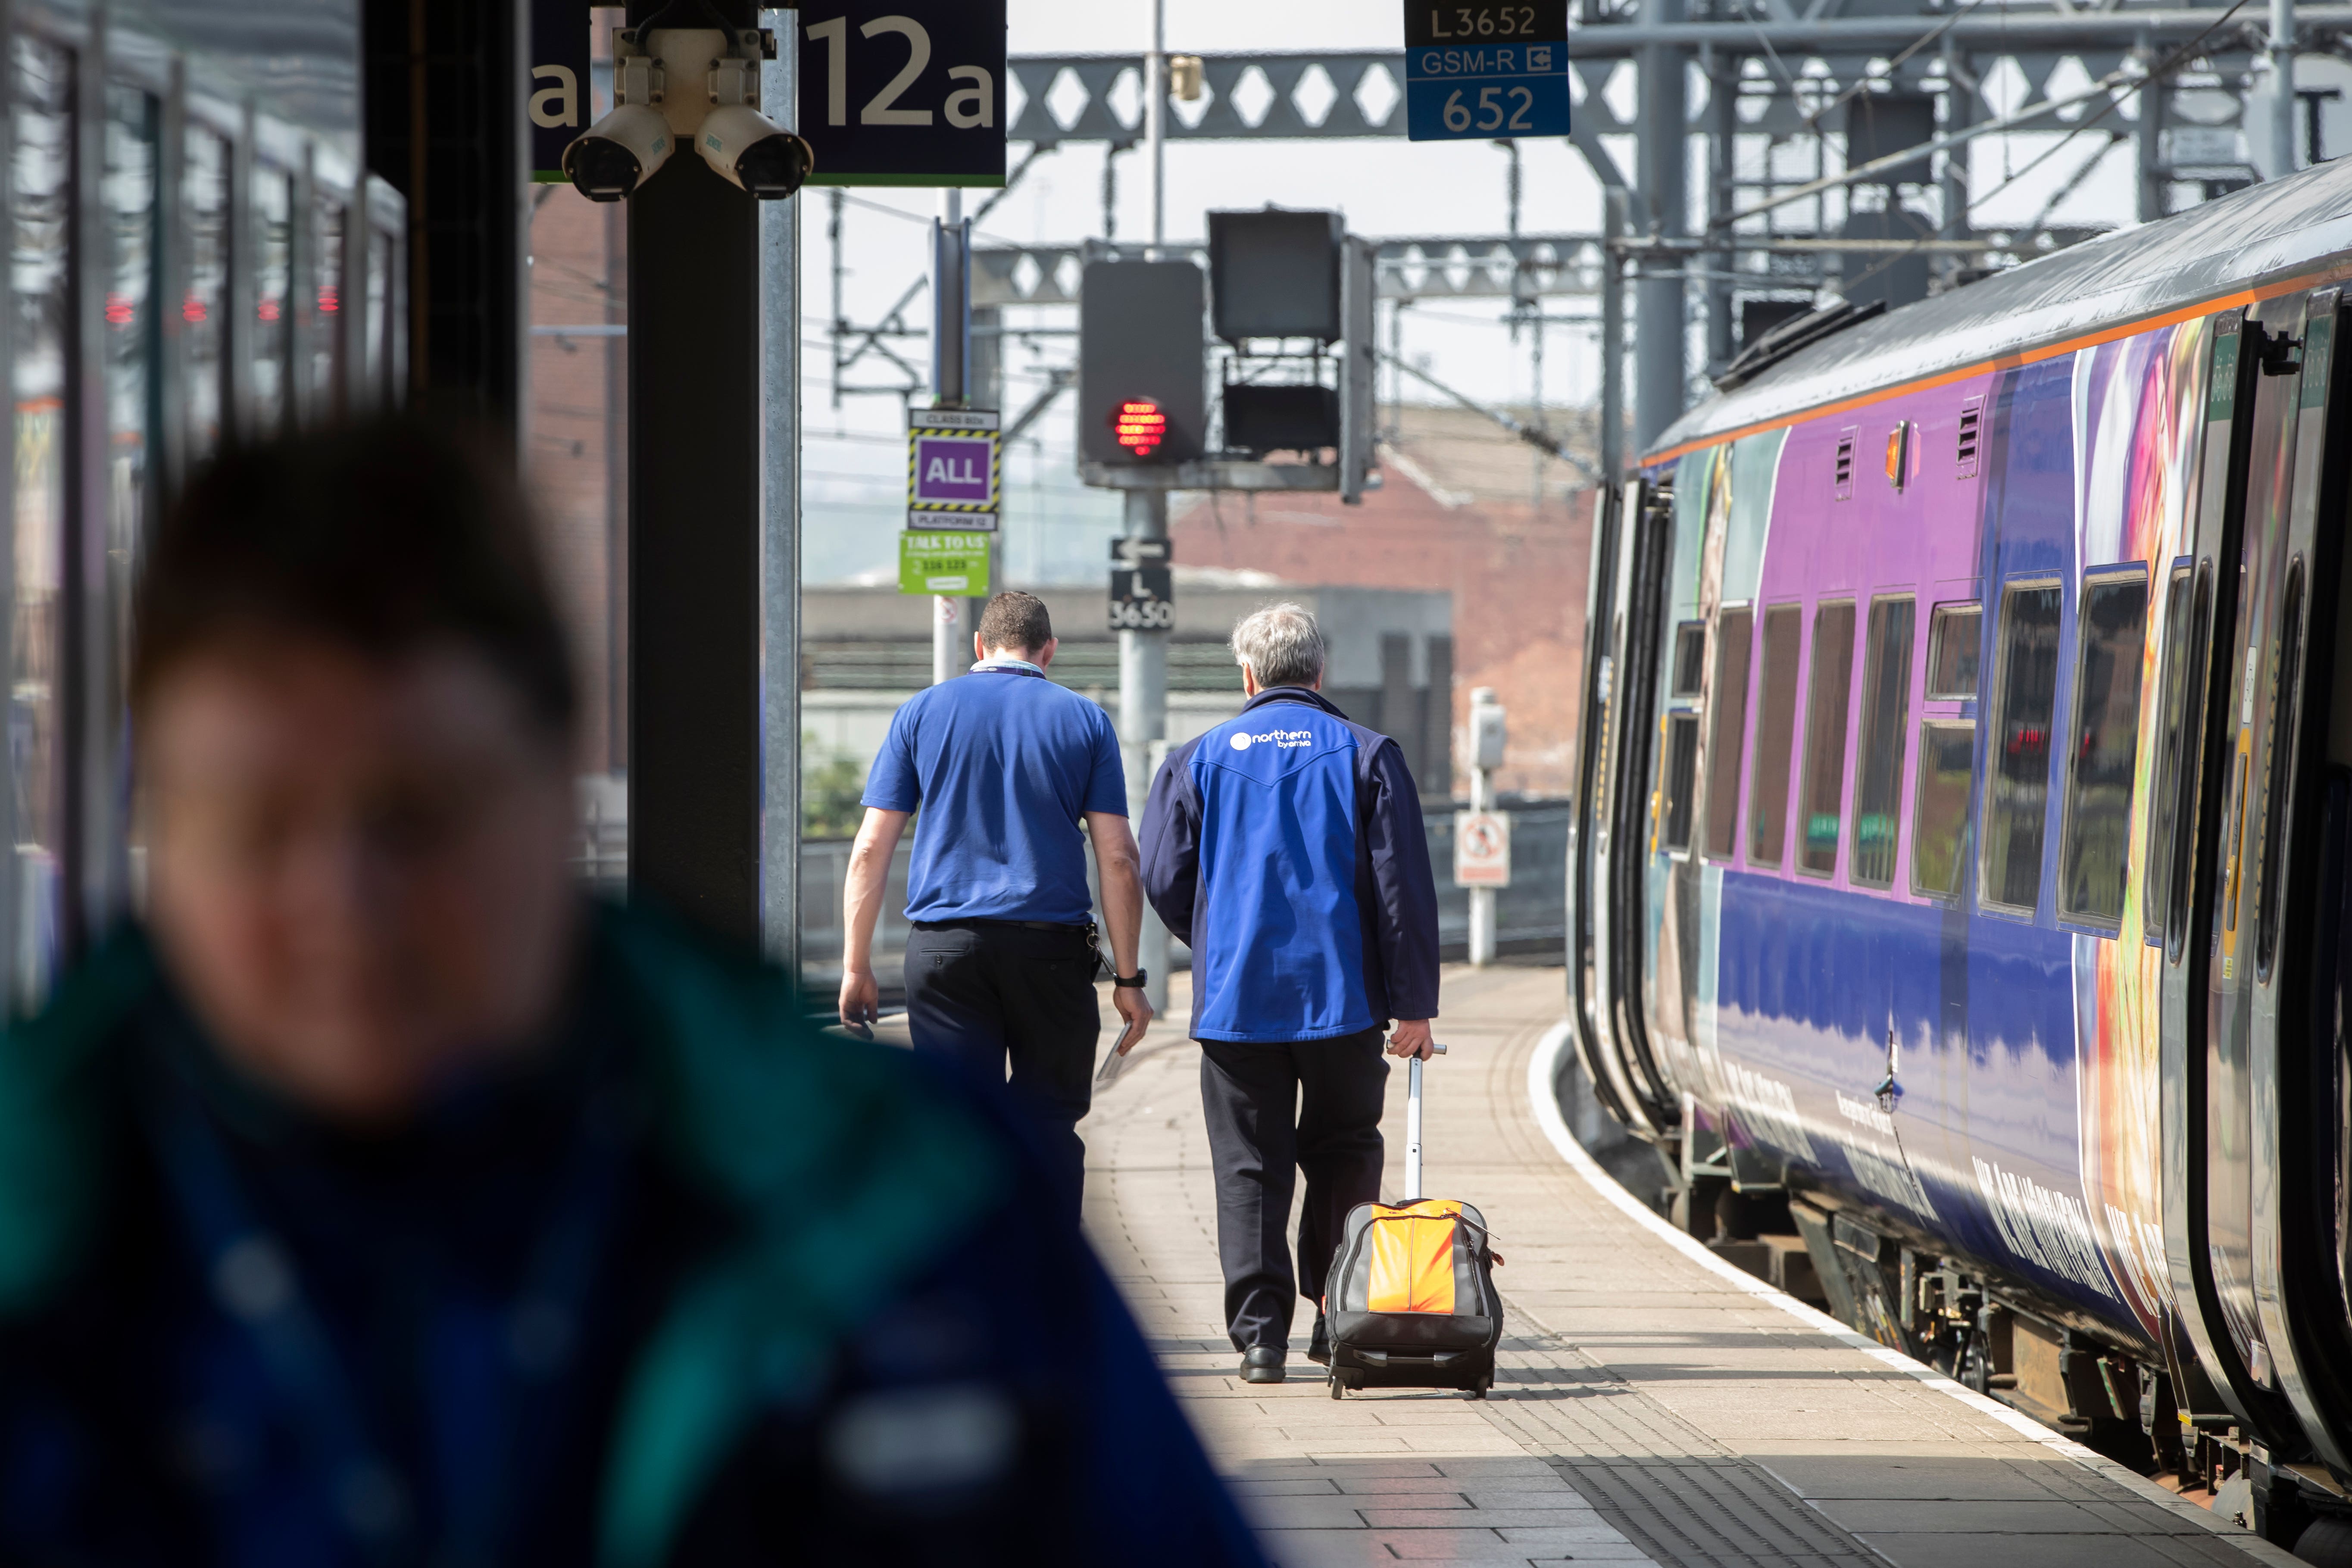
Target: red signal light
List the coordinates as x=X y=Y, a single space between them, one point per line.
x=1140 y=426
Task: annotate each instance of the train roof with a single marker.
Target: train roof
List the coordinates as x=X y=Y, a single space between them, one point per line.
x=2263 y=240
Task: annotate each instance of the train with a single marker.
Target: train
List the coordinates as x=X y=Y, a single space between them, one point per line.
x=199 y=254
x=1959 y=877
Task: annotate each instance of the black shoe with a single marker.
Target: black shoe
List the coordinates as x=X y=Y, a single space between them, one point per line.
x=1319 y=1349
x=1263 y=1364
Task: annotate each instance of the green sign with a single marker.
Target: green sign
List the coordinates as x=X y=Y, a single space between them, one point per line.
x=943 y=564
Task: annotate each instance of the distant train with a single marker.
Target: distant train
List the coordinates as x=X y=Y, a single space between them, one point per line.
x=197 y=254
x=1965 y=809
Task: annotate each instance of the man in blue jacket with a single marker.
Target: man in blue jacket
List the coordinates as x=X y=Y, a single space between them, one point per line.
x=1286 y=848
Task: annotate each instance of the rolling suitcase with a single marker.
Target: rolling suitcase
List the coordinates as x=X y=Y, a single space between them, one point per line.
x=1410 y=1299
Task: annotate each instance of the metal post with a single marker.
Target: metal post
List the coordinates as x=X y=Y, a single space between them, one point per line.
x=1658 y=300
x=1959 y=110
x=2282 y=59
x=1614 y=201
x=1722 y=145
x=1155 y=123
x=950 y=366
x=697 y=514
x=2151 y=101
x=1143 y=726
x=1482 y=899
x=779 y=532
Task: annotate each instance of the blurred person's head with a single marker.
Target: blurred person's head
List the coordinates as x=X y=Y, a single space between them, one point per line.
x=355 y=734
x=1280 y=645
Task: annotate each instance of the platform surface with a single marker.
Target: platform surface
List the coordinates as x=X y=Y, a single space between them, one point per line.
x=1646 y=1409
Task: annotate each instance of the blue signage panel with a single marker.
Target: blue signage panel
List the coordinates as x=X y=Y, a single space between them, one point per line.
x=1484 y=71
x=558 y=91
x=903 y=92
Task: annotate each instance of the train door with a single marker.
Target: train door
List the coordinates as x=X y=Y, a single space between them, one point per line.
x=1622 y=636
x=2297 y=819
x=2247 y=449
x=1591 y=853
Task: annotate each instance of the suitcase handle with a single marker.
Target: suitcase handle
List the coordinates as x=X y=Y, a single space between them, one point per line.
x=1413 y=1126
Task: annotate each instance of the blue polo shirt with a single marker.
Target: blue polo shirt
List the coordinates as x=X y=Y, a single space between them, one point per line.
x=1003 y=764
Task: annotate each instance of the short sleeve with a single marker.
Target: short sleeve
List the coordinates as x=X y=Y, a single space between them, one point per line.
x=893 y=784
x=1106 y=775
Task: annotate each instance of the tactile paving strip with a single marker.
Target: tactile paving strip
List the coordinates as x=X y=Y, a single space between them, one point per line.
x=1665 y=1485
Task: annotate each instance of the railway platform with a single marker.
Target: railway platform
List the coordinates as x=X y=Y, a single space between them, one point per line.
x=1653 y=1403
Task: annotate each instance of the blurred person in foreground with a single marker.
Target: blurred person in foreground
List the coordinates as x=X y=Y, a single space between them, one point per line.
x=385 y=1200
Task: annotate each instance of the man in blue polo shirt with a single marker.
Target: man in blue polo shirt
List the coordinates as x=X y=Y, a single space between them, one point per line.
x=1002 y=961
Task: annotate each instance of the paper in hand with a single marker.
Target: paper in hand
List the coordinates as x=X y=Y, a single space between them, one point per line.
x=1115 y=1060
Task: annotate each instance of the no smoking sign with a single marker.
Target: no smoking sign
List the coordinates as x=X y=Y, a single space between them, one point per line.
x=1481 y=849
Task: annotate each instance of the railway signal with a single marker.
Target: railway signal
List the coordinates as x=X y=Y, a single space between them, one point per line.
x=1141 y=367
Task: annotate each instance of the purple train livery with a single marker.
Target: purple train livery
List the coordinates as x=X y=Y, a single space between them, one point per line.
x=1959 y=877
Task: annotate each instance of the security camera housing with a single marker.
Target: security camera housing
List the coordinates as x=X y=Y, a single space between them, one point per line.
x=752 y=151
x=621 y=151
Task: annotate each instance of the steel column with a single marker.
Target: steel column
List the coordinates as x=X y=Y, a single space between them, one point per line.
x=1143 y=724
x=950 y=381
x=779 y=532
x=1614 y=203
x=2282 y=99
x=2152 y=194
x=1658 y=305
x=695 y=556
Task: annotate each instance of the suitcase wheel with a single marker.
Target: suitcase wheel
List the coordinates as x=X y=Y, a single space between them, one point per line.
x=1338 y=1390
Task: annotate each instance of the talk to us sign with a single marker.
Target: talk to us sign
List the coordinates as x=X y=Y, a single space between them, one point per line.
x=557 y=95
x=943 y=563
x=1484 y=69
x=953 y=468
x=903 y=92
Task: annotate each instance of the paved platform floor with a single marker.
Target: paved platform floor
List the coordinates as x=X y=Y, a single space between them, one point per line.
x=1647 y=1408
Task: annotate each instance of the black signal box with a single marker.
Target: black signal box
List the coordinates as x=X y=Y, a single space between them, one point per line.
x=1281 y=418
x=1142 y=401
x=1275 y=274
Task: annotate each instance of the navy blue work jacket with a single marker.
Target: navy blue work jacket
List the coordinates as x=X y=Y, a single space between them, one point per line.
x=1286 y=848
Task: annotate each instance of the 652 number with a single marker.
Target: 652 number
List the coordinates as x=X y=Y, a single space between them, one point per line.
x=1490 y=110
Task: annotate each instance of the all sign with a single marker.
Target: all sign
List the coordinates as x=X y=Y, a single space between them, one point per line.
x=1481 y=849
x=954 y=469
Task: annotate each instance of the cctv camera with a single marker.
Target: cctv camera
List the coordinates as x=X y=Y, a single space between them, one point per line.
x=618 y=153
x=753 y=151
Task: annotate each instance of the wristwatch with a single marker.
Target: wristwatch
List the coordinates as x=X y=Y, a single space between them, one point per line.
x=1131 y=982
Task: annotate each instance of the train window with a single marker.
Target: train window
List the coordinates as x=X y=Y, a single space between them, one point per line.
x=1939 y=823
x=1690 y=658
x=2017 y=780
x=1727 y=729
x=1821 y=807
x=2172 y=697
x=2280 y=765
x=1776 y=735
x=273 y=268
x=2110 y=634
x=1886 y=726
x=1680 y=782
x=323 y=394
x=40 y=203
x=203 y=362
x=1954 y=632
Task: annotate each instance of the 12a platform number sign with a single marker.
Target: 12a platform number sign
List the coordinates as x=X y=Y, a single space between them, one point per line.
x=1486 y=70
x=903 y=92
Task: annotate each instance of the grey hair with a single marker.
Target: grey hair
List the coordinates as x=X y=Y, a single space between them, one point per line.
x=1281 y=645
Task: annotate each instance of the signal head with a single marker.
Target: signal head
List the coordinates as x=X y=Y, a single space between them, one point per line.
x=1140 y=426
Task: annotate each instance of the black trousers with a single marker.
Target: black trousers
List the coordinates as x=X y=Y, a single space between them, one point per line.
x=1337 y=1088
x=987 y=994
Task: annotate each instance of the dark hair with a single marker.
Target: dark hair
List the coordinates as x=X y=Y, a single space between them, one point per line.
x=1015 y=619
x=383 y=537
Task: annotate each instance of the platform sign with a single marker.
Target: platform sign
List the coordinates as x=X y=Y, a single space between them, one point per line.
x=556 y=96
x=943 y=562
x=1142 y=585
x=1485 y=69
x=954 y=469
x=903 y=92
x=1481 y=849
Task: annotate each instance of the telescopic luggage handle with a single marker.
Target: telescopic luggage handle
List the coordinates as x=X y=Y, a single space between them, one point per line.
x=1413 y=1126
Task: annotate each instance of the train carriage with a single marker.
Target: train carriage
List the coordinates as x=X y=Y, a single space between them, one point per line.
x=1966 y=789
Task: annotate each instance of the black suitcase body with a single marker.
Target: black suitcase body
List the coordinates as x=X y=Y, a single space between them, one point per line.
x=1410 y=1302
